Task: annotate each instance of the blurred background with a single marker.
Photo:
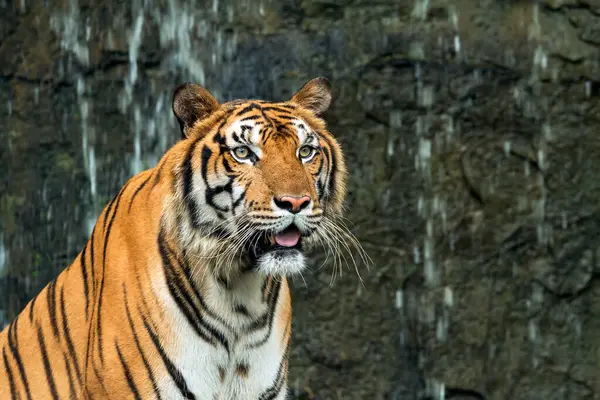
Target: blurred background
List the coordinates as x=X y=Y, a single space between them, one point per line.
x=471 y=130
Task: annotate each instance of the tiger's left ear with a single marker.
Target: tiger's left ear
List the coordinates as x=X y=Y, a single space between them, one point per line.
x=315 y=95
x=192 y=103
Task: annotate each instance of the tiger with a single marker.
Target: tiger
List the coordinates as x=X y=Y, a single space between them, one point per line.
x=181 y=291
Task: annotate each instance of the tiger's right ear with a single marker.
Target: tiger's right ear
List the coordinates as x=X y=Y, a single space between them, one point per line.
x=192 y=103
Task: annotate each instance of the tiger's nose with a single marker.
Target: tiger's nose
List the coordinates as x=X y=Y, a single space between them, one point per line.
x=293 y=204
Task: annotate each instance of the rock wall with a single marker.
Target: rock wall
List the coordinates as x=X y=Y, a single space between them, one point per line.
x=471 y=131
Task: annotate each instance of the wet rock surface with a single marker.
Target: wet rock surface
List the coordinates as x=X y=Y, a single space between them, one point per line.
x=471 y=131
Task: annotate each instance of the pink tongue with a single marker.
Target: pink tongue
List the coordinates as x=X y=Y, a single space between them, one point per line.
x=288 y=238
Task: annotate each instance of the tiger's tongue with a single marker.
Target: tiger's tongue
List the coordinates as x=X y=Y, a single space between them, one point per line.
x=288 y=238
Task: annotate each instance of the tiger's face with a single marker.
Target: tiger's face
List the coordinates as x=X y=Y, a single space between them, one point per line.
x=266 y=178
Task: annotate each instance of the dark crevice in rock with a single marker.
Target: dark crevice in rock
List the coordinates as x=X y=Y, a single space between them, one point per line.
x=463 y=394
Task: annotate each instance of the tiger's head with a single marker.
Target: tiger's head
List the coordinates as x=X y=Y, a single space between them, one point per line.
x=264 y=180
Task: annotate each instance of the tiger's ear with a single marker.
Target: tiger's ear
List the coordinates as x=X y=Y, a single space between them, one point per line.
x=192 y=103
x=315 y=95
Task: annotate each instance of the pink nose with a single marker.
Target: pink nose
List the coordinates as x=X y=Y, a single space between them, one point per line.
x=292 y=204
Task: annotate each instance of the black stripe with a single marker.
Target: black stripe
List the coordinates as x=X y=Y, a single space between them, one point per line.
x=220 y=139
x=51 y=300
x=31 y=308
x=139 y=346
x=266 y=217
x=321 y=163
x=236 y=202
x=46 y=361
x=263 y=287
x=270 y=294
x=318 y=183
x=98 y=316
x=330 y=153
x=13 y=345
x=250 y=118
x=171 y=368
x=70 y=375
x=159 y=172
x=100 y=379
x=67 y=335
x=236 y=138
x=211 y=193
x=84 y=275
x=90 y=330
x=241 y=309
x=176 y=283
x=137 y=191
x=267 y=318
x=182 y=299
x=188 y=183
x=274 y=390
x=276 y=109
x=320 y=190
x=246 y=110
x=223 y=123
x=266 y=134
x=108 y=210
x=288 y=117
x=127 y=372
x=267 y=118
x=11 y=379
x=226 y=165
x=185 y=267
x=92 y=273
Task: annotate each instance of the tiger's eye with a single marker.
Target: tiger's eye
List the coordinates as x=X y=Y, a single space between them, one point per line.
x=242 y=152
x=305 y=152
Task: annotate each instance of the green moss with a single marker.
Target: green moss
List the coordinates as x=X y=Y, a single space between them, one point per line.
x=64 y=162
x=8 y=212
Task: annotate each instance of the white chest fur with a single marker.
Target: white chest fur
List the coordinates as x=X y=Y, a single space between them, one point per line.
x=234 y=344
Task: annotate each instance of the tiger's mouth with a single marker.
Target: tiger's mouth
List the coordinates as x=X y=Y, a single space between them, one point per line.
x=287 y=240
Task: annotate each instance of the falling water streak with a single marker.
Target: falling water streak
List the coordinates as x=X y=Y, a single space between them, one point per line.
x=135 y=41
x=399 y=299
x=177 y=27
x=588 y=89
x=540 y=64
x=453 y=15
x=67 y=26
x=435 y=389
x=422 y=160
x=420 y=9
x=426 y=210
x=74 y=41
x=136 y=166
x=89 y=153
x=537 y=109
x=3 y=271
x=3 y=255
x=395 y=122
x=448 y=297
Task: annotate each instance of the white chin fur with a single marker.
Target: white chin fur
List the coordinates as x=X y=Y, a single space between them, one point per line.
x=293 y=262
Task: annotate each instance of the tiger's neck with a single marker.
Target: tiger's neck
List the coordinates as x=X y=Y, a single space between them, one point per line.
x=194 y=283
